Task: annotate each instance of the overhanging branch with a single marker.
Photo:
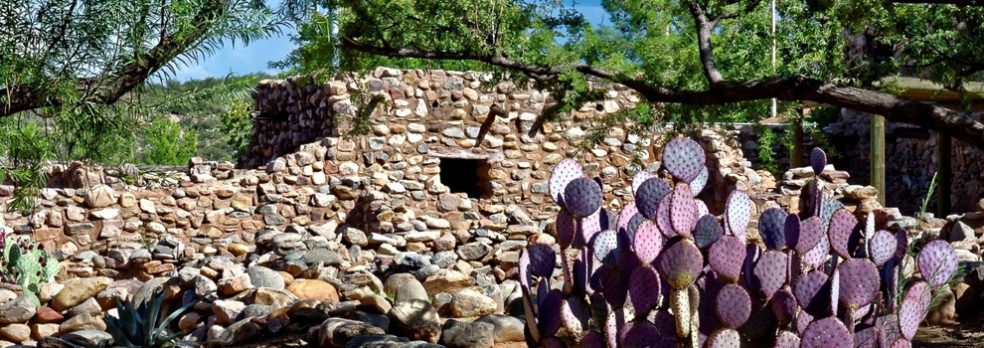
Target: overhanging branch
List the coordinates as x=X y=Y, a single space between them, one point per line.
x=959 y=125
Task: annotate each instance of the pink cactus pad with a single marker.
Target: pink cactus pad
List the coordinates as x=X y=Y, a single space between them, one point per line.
x=882 y=247
x=812 y=292
x=915 y=306
x=737 y=213
x=726 y=257
x=700 y=181
x=724 y=338
x=640 y=178
x=937 y=262
x=663 y=219
x=566 y=230
x=787 y=339
x=648 y=242
x=644 y=289
x=707 y=232
x=810 y=233
x=683 y=210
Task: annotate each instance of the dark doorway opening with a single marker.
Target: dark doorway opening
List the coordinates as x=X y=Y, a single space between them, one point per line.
x=462 y=176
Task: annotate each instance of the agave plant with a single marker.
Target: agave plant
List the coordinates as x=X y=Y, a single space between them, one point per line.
x=664 y=272
x=139 y=326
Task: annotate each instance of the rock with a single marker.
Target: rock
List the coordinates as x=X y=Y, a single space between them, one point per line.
x=7 y=296
x=273 y=297
x=16 y=332
x=39 y=331
x=19 y=310
x=446 y=280
x=417 y=319
x=82 y=322
x=235 y=284
x=337 y=332
x=460 y=334
x=266 y=278
x=47 y=315
x=507 y=328
x=960 y=232
x=376 y=302
x=226 y=311
x=239 y=332
x=90 y=306
x=100 y=196
x=471 y=303
x=94 y=336
x=474 y=251
x=314 y=289
x=78 y=290
x=860 y=193
x=324 y=256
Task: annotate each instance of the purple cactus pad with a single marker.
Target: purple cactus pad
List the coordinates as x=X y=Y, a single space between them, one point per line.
x=680 y=264
x=644 y=290
x=582 y=197
x=818 y=160
x=542 y=259
x=810 y=233
x=937 y=262
x=914 y=307
x=593 y=339
x=812 y=292
x=770 y=272
x=724 y=338
x=683 y=210
x=733 y=306
x=726 y=257
x=663 y=220
x=842 y=225
x=590 y=226
x=792 y=230
x=548 y=318
x=625 y=216
x=648 y=242
x=784 y=306
x=707 y=232
x=818 y=254
x=882 y=247
x=737 y=213
x=684 y=158
x=826 y=332
x=787 y=339
x=772 y=228
x=859 y=282
x=640 y=178
x=648 y=196
x=700 y=181
x=566 y=230
x=566 y=171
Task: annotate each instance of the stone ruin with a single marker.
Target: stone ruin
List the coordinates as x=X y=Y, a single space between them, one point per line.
x=442 y=192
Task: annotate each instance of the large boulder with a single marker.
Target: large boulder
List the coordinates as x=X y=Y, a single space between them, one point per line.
x=78 y=290
x=417 y=319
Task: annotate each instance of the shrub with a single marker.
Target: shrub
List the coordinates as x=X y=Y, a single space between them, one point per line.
x=167 y=143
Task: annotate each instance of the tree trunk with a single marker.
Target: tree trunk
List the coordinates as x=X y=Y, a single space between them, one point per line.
x=796 y=152
x=878 y=156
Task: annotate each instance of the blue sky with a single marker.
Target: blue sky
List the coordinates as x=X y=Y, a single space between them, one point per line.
x=256 y=56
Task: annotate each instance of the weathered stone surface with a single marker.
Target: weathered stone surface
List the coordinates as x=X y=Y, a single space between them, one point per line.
x=314 y=289
x=18 y=310
x=417 y=319
x=78 y=290
x=506 y=328
x=16 y=332
x=264 y=277
x=460 y=334
x=471 y=303
x=337 y=332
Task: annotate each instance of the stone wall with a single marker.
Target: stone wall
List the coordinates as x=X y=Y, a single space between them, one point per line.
x=371 y=197
x=911 y=162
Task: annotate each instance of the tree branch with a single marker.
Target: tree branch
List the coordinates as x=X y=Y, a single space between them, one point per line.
x=959 y=125
x=24 y=98
x=942 y=2
x=704 y=28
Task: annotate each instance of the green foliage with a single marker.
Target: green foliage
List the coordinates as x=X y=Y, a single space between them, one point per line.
x=929 y=196
x=766 y=138
x=237 y=126
x=167 y=143
x=23 y=150
x=27 y=265
x=141 y=325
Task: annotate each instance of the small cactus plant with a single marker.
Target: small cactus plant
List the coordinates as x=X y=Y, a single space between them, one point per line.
x=667 y=273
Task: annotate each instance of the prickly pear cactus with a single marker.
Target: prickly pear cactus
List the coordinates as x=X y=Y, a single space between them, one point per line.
x=668 y=273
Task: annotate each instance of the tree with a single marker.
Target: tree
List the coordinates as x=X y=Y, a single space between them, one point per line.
x=71 y=70
x=695 y=59
x=70 y=52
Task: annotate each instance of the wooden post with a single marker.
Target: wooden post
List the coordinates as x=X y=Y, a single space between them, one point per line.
x=796 y=153
x=878 y=156
x=944 y=167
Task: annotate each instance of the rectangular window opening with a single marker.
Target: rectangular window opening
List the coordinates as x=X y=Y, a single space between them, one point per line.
x=466 y=176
